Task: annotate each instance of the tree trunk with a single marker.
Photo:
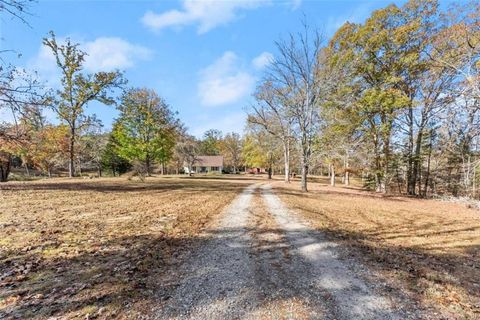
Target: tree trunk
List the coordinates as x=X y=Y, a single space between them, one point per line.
x=304 y=176
x=147 y=165
x=71 y=150
x=99 y=171
x=346 y=179
x=414 y=177
x=5 y=166
x=474 y=182
x=190 y=170
x=332 y=175
x=49 y=172
x=286 y=155
x=378 y=167
x=427 y=174
x=269 y=172
x=411 y=170
x=386 y=170
x=379 y=183
x=27 y=171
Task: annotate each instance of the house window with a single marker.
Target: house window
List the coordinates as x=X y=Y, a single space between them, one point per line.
x=214 y=168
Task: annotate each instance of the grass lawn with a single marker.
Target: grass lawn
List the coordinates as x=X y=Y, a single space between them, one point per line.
x=106 y=248
x=427 y=248
x=100 y=247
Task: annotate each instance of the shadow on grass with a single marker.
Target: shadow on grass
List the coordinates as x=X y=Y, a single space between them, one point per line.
x=439 y=275
x=131 y=276
x=359 y=193
x=115 y=275
x=123 y=185
x=138 y=276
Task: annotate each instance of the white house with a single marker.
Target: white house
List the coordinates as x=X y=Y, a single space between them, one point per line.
x=205 y=164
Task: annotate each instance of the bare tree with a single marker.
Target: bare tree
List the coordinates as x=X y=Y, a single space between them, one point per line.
x=272 y=114
x=294 y=75
x=188 y=149
x=17 y=9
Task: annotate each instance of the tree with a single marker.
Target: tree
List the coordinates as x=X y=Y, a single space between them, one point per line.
x=271 y=113
x=92 y=146
x=405 y=81
x=50 y=148
x=111 y=160
x=456 y=49
x=261 y=149
x=292 y=76
x=232 y=150
x=9 y=144
x=78 y=89
x=378 y=58
x=210 y=145
x=18 y=90
x=16 y=8
x=177 y=161
x=23 y=96
x=188 y=150
x=33 y=122
x=146 y=129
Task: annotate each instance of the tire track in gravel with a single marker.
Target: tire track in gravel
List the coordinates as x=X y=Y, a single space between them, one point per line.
x=218 y=280
x=281 y=289
x=351 y=297
x=245 y=271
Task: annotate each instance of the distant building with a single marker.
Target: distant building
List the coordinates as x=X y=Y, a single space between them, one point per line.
x=206 y=164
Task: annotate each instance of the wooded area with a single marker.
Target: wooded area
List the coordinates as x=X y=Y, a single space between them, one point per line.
x=396 y=100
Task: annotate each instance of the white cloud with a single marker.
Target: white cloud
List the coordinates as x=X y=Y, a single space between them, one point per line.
x=224 y=82
x=262 y=60
x=44 y=64
x=107 y=54
x=103 y=54
x=207 y=14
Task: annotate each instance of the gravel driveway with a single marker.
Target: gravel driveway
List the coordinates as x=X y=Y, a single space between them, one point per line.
x=262 y=261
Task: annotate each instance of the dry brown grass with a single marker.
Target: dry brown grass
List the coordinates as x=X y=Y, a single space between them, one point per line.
x=99 y=248
x=427 y=248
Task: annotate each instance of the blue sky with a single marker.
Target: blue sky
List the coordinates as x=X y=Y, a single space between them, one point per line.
x=203 y=57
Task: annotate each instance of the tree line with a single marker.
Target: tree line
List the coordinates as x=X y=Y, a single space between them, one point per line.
x=394 y=100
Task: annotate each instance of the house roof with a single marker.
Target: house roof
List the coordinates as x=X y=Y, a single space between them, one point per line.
x=209 y=161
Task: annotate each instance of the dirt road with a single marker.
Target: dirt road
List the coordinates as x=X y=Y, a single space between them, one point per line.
x=262 y=261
